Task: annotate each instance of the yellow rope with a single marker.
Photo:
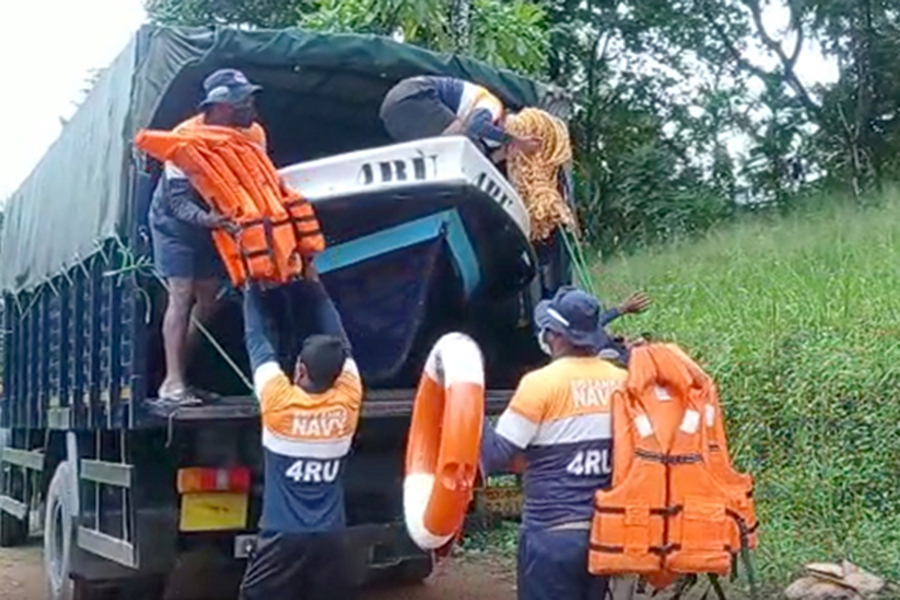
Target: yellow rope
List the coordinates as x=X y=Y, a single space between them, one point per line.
x=535 y=176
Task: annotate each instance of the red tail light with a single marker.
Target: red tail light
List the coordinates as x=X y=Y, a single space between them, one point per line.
x=200 y=479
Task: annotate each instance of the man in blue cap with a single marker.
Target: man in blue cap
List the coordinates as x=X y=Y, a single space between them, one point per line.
x=559 y=419
x=181 y=225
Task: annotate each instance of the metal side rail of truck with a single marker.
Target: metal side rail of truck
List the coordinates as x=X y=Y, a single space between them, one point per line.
x=423 y=238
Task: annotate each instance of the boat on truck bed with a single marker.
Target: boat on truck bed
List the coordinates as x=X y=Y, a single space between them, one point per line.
x=409 y=259
x=432 y=223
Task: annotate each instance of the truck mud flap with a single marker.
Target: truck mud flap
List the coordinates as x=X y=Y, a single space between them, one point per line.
x=90 y=538
x=17 y=467
x=127 y=509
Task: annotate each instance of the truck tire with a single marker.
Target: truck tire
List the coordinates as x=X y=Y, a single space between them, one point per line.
x=59 y=535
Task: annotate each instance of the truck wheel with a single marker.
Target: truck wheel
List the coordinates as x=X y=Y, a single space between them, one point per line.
x=59 y=533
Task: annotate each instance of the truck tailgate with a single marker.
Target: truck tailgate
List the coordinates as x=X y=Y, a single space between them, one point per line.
x=377 y=404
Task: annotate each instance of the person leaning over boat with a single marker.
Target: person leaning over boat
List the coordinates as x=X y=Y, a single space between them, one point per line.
x=431 y=106
x=182 y=224
x=308 y=427
x=559 y=418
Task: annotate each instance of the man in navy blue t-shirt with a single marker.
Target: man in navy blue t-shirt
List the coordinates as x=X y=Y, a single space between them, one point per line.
x=308 y=427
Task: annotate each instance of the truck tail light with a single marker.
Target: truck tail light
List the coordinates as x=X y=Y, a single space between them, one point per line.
x=201 y=479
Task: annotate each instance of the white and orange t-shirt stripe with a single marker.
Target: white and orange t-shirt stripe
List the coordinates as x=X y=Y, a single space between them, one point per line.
x=560 y=419
x=306 y=438
x=475 y=97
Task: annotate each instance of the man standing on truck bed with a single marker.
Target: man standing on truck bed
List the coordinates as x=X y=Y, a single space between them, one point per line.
x=181 y=224
x=308 y=427
x=430 y=106
x=559 y=417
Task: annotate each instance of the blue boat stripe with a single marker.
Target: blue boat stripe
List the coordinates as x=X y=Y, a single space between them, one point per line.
x=463 y=252
x=406 y=235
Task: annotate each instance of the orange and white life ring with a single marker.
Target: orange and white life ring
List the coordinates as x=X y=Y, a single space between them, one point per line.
x=444 y=441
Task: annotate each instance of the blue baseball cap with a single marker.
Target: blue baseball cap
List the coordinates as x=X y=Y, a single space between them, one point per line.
x=227 y=86
x=575 y=315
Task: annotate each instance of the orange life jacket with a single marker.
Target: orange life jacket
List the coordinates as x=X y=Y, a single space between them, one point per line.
x=230 y=169
x=718 y=457
x=676 y=505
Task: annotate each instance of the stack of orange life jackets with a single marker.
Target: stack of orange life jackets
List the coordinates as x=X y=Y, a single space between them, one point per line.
x=677 y=505
x=278 y=228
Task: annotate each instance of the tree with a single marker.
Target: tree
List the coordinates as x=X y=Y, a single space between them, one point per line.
x=505 y=33
x=254 y=13
x=853 y=119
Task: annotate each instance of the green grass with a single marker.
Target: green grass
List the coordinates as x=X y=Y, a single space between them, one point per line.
x=798 y=320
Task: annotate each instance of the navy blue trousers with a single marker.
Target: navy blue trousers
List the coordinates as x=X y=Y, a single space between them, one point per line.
x=553 y=566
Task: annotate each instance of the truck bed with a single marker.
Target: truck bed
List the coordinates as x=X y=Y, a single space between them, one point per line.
x=377 y=404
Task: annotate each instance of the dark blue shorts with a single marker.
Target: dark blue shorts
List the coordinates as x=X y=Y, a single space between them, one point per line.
x=412 y=110
x=284 y=566
x=552 y=565
x=183 y=250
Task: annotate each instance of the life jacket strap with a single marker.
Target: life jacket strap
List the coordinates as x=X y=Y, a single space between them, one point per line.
x=669 y=511
x=657 y=550
x=669 y=459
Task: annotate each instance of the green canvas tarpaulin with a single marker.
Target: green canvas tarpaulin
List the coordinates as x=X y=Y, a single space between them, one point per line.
x=83 y=191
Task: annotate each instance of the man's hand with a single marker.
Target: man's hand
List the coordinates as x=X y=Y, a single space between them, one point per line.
x=526 y=145
x=498 y=155
x=310 y=272
x=636 y=303
x=223 y=222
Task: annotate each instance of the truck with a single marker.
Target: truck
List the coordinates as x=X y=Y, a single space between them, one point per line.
x=133 y=499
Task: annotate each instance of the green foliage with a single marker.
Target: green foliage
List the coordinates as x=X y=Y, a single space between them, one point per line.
x=797 y=320
x=338 y=16
x=510 y=34
x=501 y=541
x=257 y=13
x=420 y=21
x=506 y=34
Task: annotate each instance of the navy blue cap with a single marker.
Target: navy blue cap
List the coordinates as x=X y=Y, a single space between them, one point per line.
x=575 y=315
x=228 y=86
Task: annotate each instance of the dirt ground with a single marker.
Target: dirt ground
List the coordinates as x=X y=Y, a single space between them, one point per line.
x=21 y=574
x=22 y=577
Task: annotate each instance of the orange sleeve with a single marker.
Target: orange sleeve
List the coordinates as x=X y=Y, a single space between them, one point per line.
x=349 y=386
x=349 y=392
x=279 y=393
x=531 y=398
x=258 y=135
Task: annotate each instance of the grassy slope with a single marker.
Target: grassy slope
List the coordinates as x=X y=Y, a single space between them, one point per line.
x=799 y=322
